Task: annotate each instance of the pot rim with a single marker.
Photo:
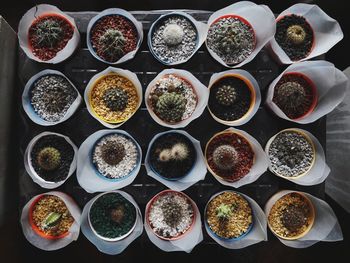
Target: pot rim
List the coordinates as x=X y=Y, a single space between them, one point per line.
x=248 y=84
x=311 y=219
x=164 y=192
x=106 y=238
x=307 y=137
x=206 y=148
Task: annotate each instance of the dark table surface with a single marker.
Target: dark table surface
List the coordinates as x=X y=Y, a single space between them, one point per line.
x=12 y=243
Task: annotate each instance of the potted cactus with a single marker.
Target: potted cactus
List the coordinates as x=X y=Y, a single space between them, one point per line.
x=229 y=216
x=229 y=155
x=50 y=159
x=114 y=36
x=296 y=95
x=234 y=97
x=231 y=38
x=295 y=36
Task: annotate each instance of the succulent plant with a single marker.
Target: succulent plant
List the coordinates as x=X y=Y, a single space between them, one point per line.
x=51 y=220
x=179 y=151
x=226 y=95
x=116 y=99
x=47 y=32
x=225 y=157
x=165 y=155
x=113 y=152
x=171 y=106
x=173 y=34
x=172 y=213
x=230 y=38
x=290 y=154
x=296 y=34
x=117 y=214
x=112 y=42
x=224 y=211
x=291 y=96
x=49 y=158
x=293 y=217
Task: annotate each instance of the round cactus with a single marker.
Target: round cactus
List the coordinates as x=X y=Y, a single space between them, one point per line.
x=117 y=214
x=113 y=152
x=171 y=106
x=296 y=34
x=179 y=152
x=116 y=99
x=224 y=211
x=173 y=34
x=48 y=33
x=112 y=43
x=226 y=95
x=230 y=38
x=165 y=155
x=225 y=157
x=172 y=213
x=49 y=158
x=291 y=95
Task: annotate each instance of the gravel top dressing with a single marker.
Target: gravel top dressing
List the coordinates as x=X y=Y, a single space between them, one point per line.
x=231 y=39
x=290 y=216
x=171 y=215
x=172 y=155
x=230 y=98
x=295 y=36
x=115 y=156
x=291 y=154
x=112 y=215
x=229 y=215
x=51 y=97
x=51 y=158
x=174 y=39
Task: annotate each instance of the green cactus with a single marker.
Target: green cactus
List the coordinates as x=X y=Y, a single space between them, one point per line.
x=51 y=220
x=47 y=32
x=112 y=42
x=225 y=157
x=292 y=96
x=171 y=106
x=296 y=34
x=224 y=211
x=226 y=95
x=230 y=38
x=116 y=99
x=113 y=152
x=49 y=158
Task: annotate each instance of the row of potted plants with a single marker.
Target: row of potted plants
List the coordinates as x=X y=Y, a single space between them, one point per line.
x=233 y=35
x=175 y=97
x=111 y=159
x=169 y=216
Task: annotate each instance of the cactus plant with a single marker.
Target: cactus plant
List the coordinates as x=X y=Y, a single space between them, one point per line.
x=113 y=152
x=225 y=157
x=47 y=33
x=179 y=151
x=165 y=155
x=117 y=214
x=293 y=217
x=112 y=43
x=173 y=35
x=172 y=213
x=116 y=99
x=51 y=220
x=296 y=34
x=171 y=106
x=49 y=158
x=230 y=38
x=226 y=95
x=224 y=211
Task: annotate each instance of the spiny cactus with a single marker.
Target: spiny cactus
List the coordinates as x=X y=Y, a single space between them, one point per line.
x=172 y=213
x=291 y=96
x=173 y=34
x=225 y=157
x=296 y=34
x=165 y=155
x=49 y=158
x=47 y=32
x=224 y=211
x=116 y=99
x=117 y=214
x=293 y=217
x=112 y=42
x=226 y=95
x=179 y=151
x=290 y=154
x=171 y=106
x=51 y=220
x=113 y=152
x=230 y=38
